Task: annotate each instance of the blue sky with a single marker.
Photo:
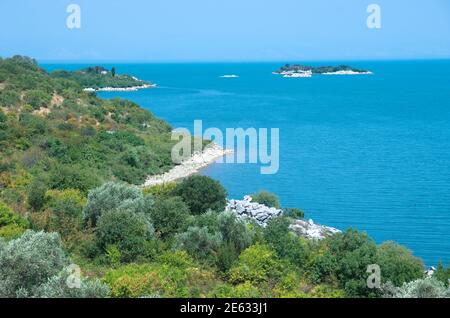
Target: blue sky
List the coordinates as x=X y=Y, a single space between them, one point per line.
x=225 y=30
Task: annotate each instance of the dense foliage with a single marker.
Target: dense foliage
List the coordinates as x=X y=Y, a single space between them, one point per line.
x=68 y=162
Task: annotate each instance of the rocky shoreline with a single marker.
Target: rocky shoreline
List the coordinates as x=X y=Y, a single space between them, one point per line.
x=190 y=166
x=261 y=214
x=119 y=89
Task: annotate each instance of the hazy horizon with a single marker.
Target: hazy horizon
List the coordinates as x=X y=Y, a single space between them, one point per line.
x=172 y=31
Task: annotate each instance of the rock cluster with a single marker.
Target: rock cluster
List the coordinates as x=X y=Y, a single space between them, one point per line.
x=311 y=230
x=246 y=209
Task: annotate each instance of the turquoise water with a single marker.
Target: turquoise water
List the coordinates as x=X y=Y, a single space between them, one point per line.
x=369 y=152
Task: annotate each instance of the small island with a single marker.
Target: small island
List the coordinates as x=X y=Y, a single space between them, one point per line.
x=98 y=78
x=298 y=70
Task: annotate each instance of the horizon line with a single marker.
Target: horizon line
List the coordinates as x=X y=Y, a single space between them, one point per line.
x=195 y=61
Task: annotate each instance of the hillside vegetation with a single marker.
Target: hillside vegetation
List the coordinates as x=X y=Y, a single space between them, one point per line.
x=69 y=166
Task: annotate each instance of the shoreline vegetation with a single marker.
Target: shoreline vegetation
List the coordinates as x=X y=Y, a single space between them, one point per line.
x=98 y=78
x=298 y=70
x=72 y=167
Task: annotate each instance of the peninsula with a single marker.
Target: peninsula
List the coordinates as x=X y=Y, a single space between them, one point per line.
x=98 y=78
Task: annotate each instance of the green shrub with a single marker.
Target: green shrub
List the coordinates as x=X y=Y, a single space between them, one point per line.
x=199 y=243
x=397 y=264
x=38 y=99
x=28 y=262
x=165 y=189
x=257 y=264
x=174 y=275
x=287 y=244
x=36 y=193
x=443 y=274
x=293 y=213
x=428 y=287
x=266 y=198
x=73 y=176
x=201 y=194
x=169 y=216
x=111 y=196
x=126 y=230
x=350 y=254
x=57 y=287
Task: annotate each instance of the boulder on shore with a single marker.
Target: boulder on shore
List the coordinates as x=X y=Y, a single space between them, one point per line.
x=246 y=209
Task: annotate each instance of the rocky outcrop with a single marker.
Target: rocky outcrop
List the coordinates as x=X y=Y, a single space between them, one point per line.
x=246 y=209
x=311 y=230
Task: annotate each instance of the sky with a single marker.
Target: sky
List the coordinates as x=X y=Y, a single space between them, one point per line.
x=224 y=30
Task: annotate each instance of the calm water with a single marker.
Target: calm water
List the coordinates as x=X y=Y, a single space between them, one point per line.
x=369 y=152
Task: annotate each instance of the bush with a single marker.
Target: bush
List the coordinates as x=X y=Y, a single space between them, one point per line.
x=126 y=230
x=294 y=213
x=397 y=264
x=257 y=264
x=266 y=198
x=175 y=274
x=443 y=274
x=66 y=208
x=37 y=99
x=348 y=256
x=12 y=225
x=165 y=189
x=36 y=193
x=428 y=287
x=201 y=194
x=287 y=244
x=199 y=243
x=68 y=202
x=28 y=262
x=169 y=216
x=74 y=176
x=57 y=287
x=110 y=196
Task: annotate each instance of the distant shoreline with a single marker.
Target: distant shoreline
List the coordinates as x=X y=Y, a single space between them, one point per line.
x=119 y=89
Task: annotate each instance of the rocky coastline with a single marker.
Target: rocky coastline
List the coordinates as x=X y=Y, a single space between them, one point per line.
x=246 y=209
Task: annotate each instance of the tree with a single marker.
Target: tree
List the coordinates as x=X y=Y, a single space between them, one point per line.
x=28 y=262
x=201 y=194
x=111 y=196
x=349 y=255
x=397 y=264
x=266 y=198
x=169 y=216
x=287 y=244
x=113 y=72
x=127 y=230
